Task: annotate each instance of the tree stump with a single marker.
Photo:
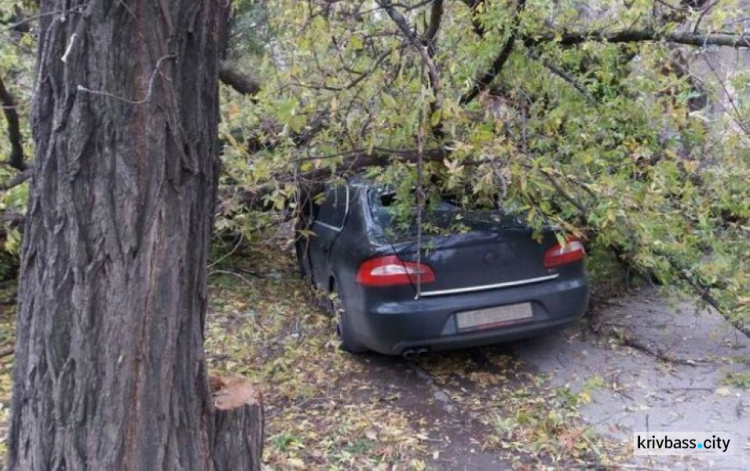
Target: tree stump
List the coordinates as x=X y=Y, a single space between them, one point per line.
x=238 y=425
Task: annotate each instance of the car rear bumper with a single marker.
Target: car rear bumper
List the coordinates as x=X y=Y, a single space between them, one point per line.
x=430 y=323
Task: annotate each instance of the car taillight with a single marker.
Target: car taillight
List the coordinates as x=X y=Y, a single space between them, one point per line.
x=559 y=255
x=391 y=270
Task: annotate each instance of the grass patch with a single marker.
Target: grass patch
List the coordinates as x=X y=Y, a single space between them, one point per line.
x=738 y=380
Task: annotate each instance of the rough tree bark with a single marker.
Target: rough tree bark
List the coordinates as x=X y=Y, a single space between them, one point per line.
x=110 y=370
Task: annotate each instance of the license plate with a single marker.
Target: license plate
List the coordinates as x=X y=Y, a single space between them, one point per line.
x=494 y=316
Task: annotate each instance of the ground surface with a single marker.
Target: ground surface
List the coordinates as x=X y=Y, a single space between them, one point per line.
x=562 y=401
x=683 y=371
x=565 y=400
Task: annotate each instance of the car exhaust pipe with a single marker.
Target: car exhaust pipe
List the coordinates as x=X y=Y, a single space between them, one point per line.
x=409 y=354
x=412 y=354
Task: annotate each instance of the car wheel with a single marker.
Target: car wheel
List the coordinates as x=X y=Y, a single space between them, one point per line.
x=348 y=343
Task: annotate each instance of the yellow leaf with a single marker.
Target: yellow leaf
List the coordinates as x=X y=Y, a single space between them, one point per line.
x=295 y=463
x=356 y=43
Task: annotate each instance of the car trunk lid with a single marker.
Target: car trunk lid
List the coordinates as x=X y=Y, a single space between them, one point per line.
x=474 y=250
x=481 y=259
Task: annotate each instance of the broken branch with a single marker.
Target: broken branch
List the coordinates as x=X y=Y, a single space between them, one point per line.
x=16 y=158
x=433 y=73
x=6 y=352
x=317 y=124
x=16 y=180
x=436 y=15
x=566 y=77
x=239 y=81
x=484 y=80
x=644 y=35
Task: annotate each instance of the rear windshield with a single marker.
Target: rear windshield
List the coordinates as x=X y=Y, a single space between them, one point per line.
x=442 y=215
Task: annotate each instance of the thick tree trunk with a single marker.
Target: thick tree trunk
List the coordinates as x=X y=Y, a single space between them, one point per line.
x=110 y=370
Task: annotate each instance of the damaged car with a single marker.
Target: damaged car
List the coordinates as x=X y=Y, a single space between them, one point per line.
x=485 y=278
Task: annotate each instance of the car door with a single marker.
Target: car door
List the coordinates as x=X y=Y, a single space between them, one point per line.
x=327 y=225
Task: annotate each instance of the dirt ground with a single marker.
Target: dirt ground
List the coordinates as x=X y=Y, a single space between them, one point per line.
x=569 y=400
x=641 y=361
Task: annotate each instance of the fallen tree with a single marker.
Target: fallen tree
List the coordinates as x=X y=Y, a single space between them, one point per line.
x=568 y=55
x=545 y=119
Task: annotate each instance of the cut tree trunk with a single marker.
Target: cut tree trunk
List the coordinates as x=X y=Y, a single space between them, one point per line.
x=110 y=370
x=238 y=422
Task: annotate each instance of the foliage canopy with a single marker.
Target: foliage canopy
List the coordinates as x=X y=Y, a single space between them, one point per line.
x=627 y=123
x=605 y=120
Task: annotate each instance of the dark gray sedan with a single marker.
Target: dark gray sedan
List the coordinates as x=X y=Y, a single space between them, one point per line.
x=490 y=282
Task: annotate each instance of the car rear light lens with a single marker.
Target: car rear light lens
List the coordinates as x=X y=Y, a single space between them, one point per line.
x=559 y=255
x=391 y=270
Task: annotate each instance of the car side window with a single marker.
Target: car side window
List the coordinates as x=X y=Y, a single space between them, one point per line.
x=332 y=211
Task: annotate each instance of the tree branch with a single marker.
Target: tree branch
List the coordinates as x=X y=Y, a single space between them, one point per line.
x=352 y=161
x=561 y=191
x=565 y=76
x=700 y=288
x=436 y=15
x=239 y=81
x=18 y=179
x=484 y=80
x=358 y=159
x=10 y=220
x=317 y=124
x=705 y=293
x=16 y=158
x=7 y=351
x=433 y=73
x=644 y=35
